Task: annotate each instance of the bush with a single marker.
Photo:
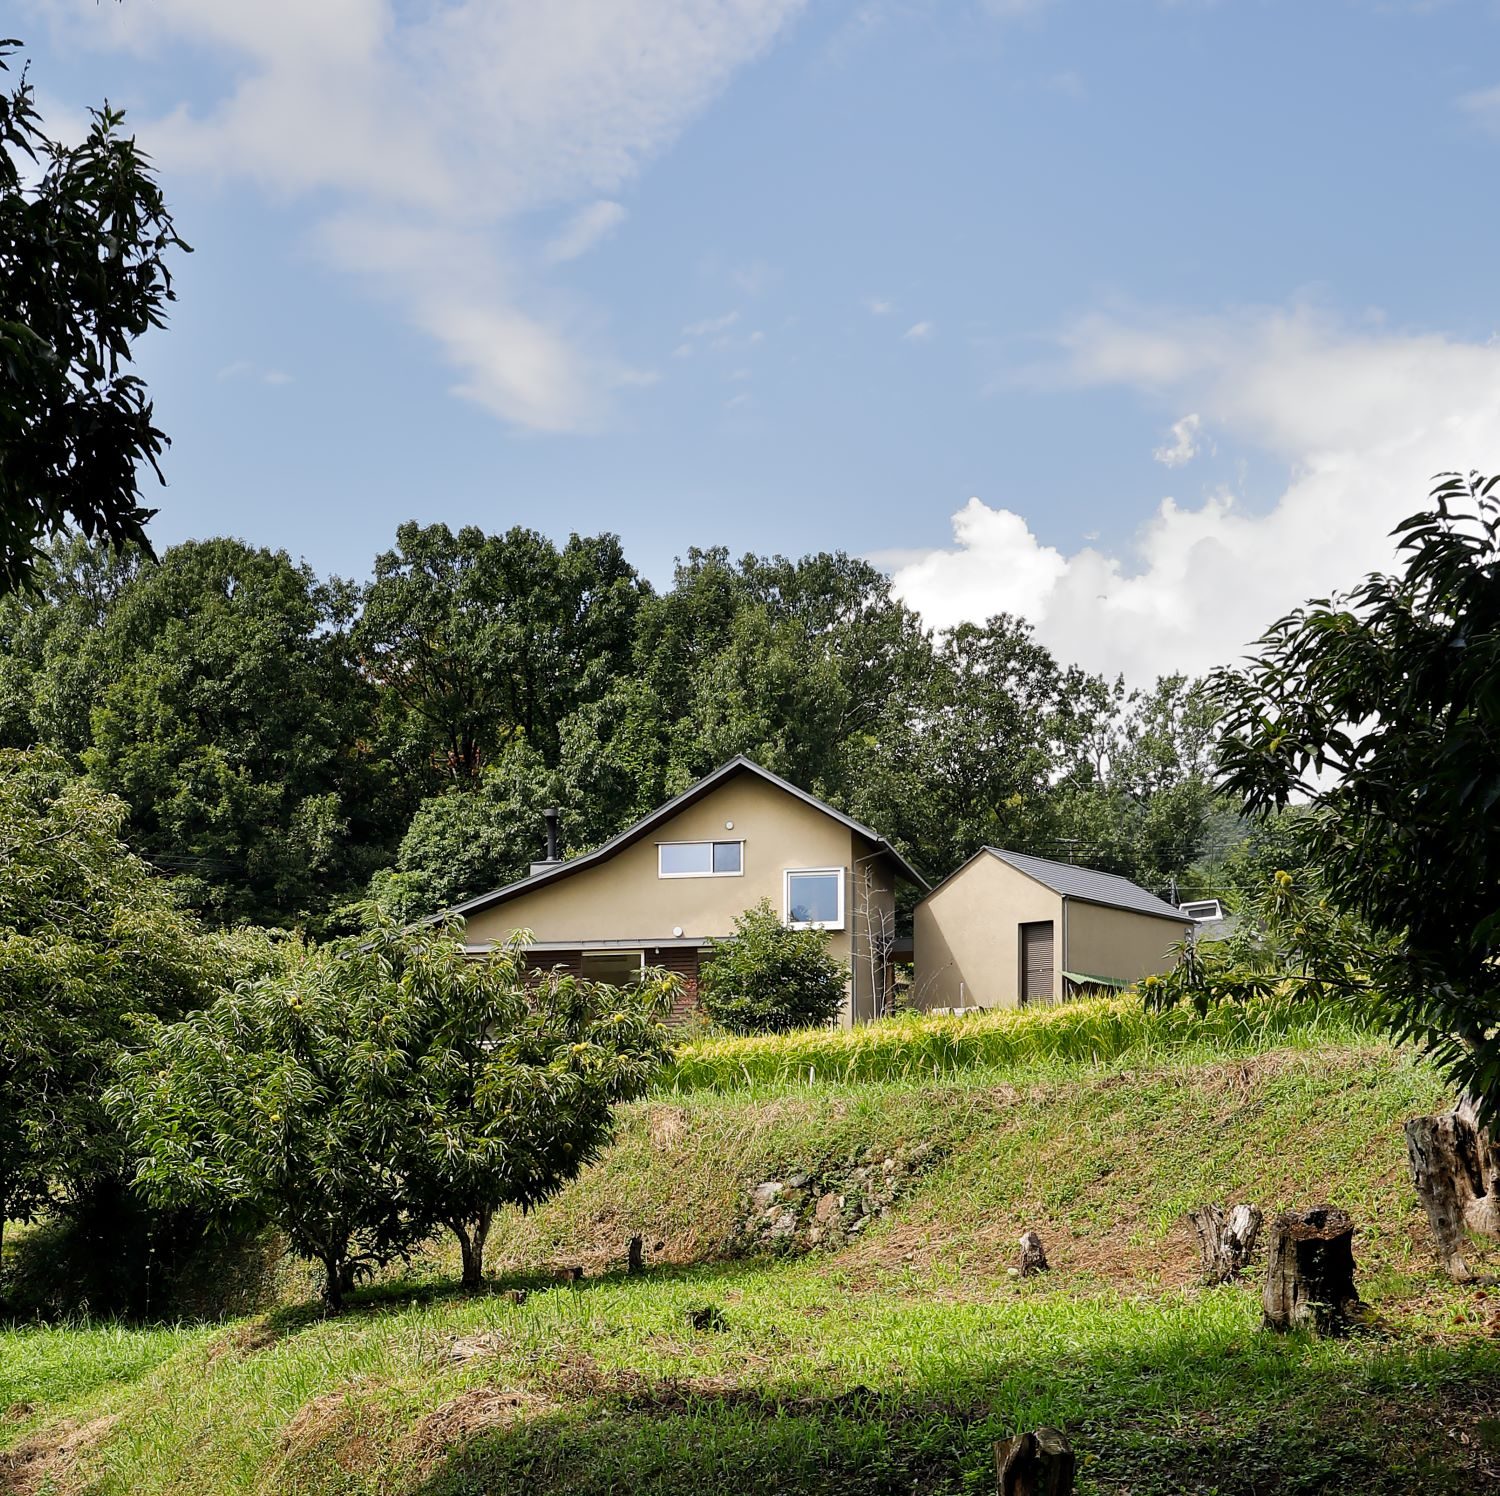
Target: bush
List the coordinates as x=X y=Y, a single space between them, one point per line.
x=767 y=978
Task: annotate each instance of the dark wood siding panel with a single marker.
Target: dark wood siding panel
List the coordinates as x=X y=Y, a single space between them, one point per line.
x=1036 y=962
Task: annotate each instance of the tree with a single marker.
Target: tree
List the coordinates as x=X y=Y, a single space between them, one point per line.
x=512 y=1080
x=84 y=272
x=383 y=1086
x=461 y=844
x=89 y=939
x=228 y=713
x=1380 y=709
x=767 y=978
x=474 y=637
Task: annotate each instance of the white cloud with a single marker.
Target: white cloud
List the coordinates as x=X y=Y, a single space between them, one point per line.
x=877 y=306
x=711 y=325
x=919 y=332
x=1361 y=422
x=242 y=368
x=1482 y=106
x=738 y=402
x=584 y=230
x=443 y=126
x=1184 y=444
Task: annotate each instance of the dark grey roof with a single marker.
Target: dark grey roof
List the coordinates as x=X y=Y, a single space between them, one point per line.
x=1090 y=886
x=740 y=765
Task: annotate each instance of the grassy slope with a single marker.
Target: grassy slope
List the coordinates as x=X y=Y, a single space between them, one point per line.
x=888 y=1366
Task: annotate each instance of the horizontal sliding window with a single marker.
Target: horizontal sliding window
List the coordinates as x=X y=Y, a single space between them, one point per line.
x=705 y=859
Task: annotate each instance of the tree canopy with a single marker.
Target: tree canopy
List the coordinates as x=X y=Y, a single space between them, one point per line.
x=85 y=255
x=1378 y=712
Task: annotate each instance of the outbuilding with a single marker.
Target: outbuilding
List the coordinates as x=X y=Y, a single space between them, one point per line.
x=1008 y=929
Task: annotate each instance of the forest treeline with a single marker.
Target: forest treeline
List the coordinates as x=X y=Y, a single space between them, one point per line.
x=287 y=743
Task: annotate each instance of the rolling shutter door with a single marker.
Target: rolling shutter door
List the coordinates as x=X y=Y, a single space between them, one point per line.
x=1036 y=962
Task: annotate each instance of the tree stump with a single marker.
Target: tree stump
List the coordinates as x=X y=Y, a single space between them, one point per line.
x=1039 y=1464
x=1455 y=1170
x=1226 y=1241
x=635 y=1258
x=1310 y=1272
x=1033 y=1259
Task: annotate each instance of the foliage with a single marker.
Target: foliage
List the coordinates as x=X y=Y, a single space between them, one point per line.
x=1381 y=709
x=511 y=1085
x=460 y=844
x=228 y=716
x=84 y=272
x=380 y=1087
x=475 y=637
x=767 y=977
x=89 y=938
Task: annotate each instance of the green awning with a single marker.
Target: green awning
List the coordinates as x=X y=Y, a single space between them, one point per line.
x=1083 y=979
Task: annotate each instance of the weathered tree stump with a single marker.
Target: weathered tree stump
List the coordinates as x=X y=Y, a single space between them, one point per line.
x=1226 y=1241
x=1033 y=1259
x=634 y=1255
x=1455 y=1170
x=1039 y=1464
x=1310 y=1272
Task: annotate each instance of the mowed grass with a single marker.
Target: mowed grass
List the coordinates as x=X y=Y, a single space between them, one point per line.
x=889 y=1366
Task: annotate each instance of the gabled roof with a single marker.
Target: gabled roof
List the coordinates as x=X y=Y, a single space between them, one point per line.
x=643 y=827
x=1092 y=887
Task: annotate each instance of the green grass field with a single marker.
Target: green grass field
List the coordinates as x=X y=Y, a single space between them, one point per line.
x=889 y=1364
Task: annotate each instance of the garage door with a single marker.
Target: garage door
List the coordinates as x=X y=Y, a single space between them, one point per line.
x=1036 y=962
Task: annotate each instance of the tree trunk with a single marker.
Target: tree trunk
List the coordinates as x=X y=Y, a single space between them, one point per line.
x=336 y=1273
x=1455 y=1170
x=1226 y=1242
x=1039 y=1464
x=471 y=1242
x=1310 y=1272
x=1033 y=1258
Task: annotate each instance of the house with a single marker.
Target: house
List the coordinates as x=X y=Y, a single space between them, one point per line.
x=660 y=891
x=1007 y=929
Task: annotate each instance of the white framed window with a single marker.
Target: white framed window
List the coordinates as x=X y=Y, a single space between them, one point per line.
x=702 y=859
x=815 y=898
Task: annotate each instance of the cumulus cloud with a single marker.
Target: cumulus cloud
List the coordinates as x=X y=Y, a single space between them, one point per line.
x=919 y=332
x=1359 y=422
x=447 y=125
x=1184 y=444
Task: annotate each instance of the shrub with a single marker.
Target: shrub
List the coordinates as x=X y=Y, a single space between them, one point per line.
x=766 y=978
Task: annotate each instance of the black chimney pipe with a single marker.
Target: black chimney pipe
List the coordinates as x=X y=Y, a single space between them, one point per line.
x=549 y=819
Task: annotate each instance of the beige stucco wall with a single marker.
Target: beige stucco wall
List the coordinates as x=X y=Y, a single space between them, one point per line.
x=968 y=942
x=624 y=899
x=1105 y=942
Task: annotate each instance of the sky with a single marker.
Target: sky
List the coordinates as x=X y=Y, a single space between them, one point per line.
x=1142 y=319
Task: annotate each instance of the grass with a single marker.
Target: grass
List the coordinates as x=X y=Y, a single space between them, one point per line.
x=887 y=1366
x=1104 y=1033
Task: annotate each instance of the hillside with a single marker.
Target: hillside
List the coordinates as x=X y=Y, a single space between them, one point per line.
x=875 y=1344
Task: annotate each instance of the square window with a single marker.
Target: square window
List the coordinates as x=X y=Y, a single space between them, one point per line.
x=815 y=896
x=729 y=857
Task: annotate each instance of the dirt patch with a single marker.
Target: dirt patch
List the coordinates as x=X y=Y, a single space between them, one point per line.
x=48 y=1460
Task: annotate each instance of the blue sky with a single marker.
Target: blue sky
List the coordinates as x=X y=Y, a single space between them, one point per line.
x=1144 y=319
